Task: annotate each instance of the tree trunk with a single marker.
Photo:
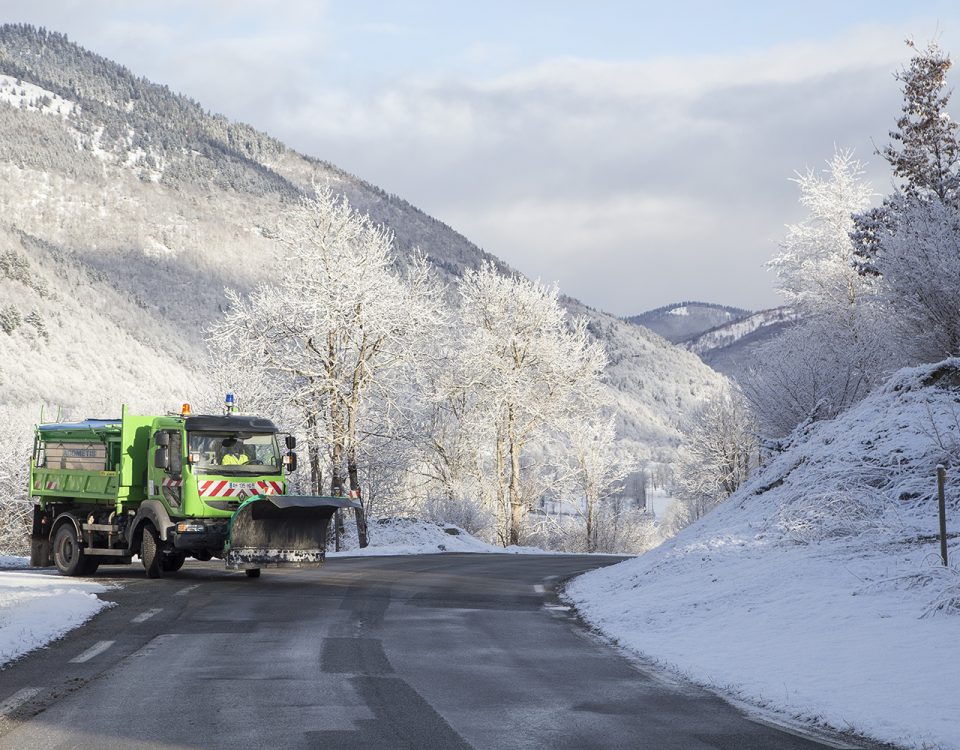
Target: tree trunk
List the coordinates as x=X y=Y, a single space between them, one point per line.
x=590 y=525
x=503 y=515
x=361 y=513
x=313 y=455
x=516 y=497
x=338 y=529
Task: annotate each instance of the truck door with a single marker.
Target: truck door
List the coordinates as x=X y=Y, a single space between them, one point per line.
x=167 y=451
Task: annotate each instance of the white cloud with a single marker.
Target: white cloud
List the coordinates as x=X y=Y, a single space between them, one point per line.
x=783 y=64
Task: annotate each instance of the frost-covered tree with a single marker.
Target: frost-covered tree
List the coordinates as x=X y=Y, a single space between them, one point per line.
x=523 y=367
x=598 y=468
x=919 y=282
x=837 y=351
x=815 y=267
x=718 y=453
x=15 y=504
x=911 y=242
x=336 y=326
x=816 y=369
x=924 y=153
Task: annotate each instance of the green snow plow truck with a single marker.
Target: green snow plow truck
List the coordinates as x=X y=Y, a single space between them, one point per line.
x=170 y=487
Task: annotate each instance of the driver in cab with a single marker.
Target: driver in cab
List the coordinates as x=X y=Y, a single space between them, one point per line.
x=233 y=454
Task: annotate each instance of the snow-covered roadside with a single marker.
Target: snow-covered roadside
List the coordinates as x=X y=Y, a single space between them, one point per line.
x=817 y=590
x=814 y=634
x=39 y=607
x=408 y=536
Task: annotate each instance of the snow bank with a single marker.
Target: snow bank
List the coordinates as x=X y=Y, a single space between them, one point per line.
x=817 y=590
x=36 y=608
x=409 y=536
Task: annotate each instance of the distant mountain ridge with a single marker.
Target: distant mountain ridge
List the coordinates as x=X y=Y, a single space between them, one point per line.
x=728 y=346
x=731 y=348
x=682 y=321
x=127 y=209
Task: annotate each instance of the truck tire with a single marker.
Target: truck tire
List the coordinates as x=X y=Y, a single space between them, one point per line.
x=173 y=563
x=253 y=572
x=90 y=565
x=67 y=553
x=150 y=552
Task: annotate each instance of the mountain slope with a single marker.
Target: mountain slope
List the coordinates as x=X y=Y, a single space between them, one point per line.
x=133 y=208
x=685 y=320
x=730 y=348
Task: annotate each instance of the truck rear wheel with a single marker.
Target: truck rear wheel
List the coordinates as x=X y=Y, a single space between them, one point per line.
x=150 y=552
x=67 y=553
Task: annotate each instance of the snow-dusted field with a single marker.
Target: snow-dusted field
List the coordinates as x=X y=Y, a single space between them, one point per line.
x=38 y=607
x=817 y=590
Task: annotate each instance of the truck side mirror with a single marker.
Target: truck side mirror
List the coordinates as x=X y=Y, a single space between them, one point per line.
x=162 y=438
x=291 y=442
x=161 y=459
x=291 y=462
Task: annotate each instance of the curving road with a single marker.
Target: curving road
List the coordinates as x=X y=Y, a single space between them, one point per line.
x=434 y=651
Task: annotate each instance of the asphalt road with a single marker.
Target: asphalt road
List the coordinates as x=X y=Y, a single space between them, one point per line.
x=434 y=651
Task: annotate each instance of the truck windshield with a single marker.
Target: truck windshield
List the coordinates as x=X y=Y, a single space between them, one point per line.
x=226 y=453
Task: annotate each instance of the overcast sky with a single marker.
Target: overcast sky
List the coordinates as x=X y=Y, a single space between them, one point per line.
x=636 y=153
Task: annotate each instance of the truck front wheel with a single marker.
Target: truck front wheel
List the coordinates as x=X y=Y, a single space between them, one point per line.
x=150 y=552
x=67 y=553
x=173 y=563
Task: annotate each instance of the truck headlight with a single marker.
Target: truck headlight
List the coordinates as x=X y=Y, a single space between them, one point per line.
x=185 y=527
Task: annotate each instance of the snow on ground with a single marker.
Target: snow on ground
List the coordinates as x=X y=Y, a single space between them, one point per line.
x=409 y=536
x=817 y=590
x=38 y=607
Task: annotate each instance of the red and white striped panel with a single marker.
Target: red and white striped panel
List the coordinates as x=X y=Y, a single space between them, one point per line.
x=222 y=488
x=172 y=482
x=215 y=488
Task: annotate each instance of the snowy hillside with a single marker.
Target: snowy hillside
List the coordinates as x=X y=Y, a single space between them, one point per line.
x=684 y=320
x=729 y=348
x=817 y=588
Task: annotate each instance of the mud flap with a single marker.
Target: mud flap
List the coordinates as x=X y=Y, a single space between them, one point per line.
x=281 y=531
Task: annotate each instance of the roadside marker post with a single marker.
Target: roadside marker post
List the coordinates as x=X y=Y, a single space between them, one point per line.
x=941 y=502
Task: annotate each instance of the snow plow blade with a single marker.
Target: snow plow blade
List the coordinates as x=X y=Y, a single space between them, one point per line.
x=281 y=531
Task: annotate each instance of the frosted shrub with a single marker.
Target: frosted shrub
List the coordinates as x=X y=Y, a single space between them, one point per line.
x=15 y=505
x=15 y=521
x=461 y=512
x=947 y=599
x=816 y=517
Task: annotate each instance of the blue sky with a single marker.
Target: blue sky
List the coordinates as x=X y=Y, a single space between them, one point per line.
x=636 y=153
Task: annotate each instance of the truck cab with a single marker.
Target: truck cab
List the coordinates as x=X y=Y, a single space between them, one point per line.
x=202 y=468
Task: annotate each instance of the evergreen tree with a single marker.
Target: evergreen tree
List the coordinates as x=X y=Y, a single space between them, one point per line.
x=924 y=154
